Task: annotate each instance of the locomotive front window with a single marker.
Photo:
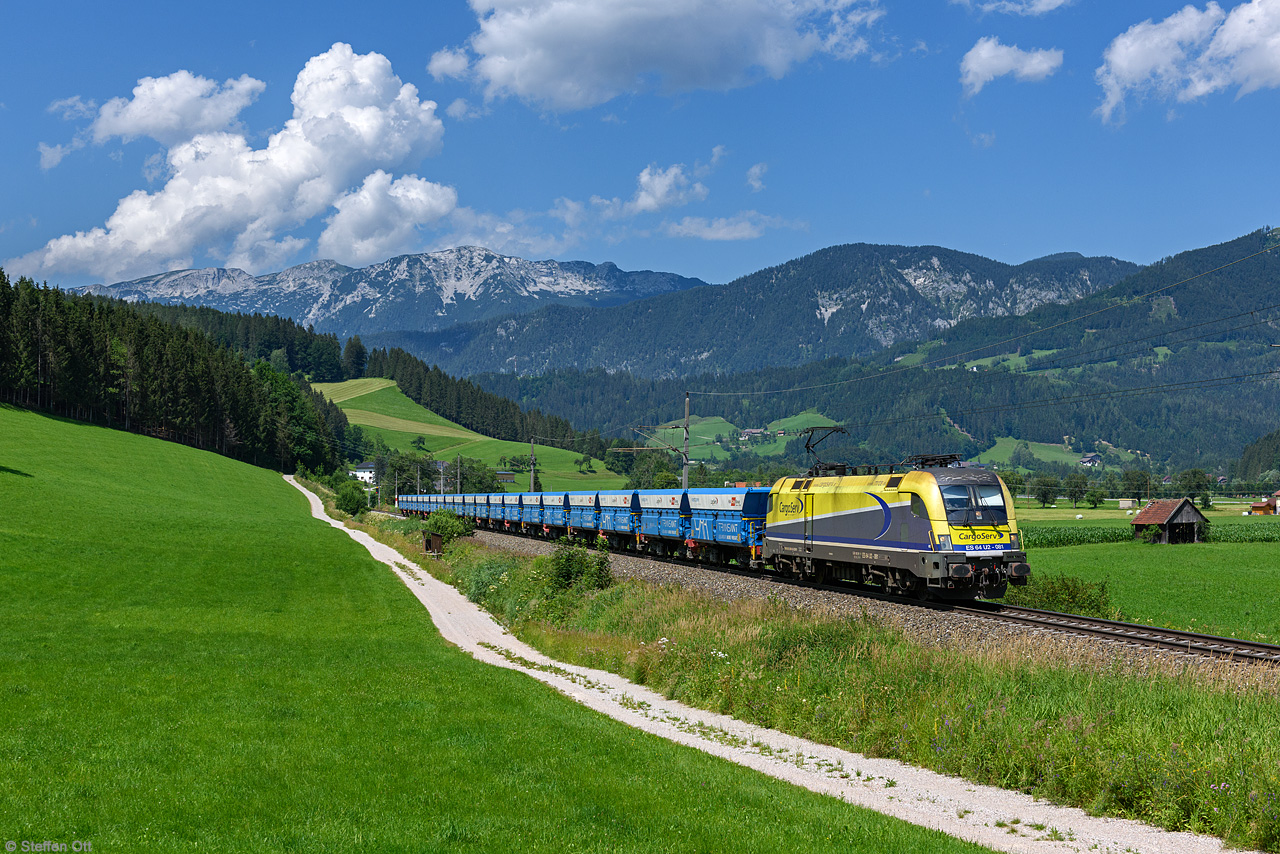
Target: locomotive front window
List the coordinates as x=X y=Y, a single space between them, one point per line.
x=974 y=505
x=955 y=498
x=991 y=504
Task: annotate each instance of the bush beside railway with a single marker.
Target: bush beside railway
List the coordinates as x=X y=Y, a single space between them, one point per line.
x=1065 y=594
x=1171 y=748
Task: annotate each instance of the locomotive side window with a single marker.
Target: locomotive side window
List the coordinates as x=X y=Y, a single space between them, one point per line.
x=917 y=507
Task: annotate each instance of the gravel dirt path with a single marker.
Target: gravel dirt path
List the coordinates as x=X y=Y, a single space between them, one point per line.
x=999 y=819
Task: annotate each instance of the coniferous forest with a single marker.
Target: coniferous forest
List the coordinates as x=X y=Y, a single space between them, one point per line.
x=236 y=384
x=106 y=362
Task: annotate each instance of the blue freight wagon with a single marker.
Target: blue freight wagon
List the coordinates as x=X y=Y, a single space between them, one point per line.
x=732 y=516
x=619 y=511
x=584 y=510
x=664 y=513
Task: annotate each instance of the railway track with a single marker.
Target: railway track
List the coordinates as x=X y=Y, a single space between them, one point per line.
x=1132 y=634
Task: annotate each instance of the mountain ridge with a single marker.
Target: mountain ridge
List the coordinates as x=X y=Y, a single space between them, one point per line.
x=432 y=290
x=842 y=301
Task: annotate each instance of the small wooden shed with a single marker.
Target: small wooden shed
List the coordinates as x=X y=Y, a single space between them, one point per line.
x=1177 y=518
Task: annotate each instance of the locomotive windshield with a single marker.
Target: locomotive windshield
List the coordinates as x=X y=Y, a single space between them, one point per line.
x=974 y=504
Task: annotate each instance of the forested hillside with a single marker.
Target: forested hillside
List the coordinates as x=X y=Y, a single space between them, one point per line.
x=291 y=346
x=851 y=300
x=1181 y=371
x=105 y=362
x=1260 y=457
x=236 y=384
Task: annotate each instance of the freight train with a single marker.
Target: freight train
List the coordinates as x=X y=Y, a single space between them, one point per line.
x=926 y=528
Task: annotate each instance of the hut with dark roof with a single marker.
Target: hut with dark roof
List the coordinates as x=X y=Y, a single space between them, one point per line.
x=1177 y=518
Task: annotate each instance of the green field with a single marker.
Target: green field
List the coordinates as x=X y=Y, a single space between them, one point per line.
x=1162 y=742
x=702 y=433
x=792 y=425
x=1050 y=453
x=1219 y=588
x=189 y=661
x=379 y=407
x=1011 y=360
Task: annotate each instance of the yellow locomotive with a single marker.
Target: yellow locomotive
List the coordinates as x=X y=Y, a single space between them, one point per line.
x=936 y=530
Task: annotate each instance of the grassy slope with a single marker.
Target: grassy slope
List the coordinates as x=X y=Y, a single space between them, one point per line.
x=702 y=433
x=1005 y=445
x=778 y=444
x=382 y=409
x=188 y=660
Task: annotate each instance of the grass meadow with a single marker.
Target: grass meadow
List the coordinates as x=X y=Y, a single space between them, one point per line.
x=1219 y=588
x=381 y=409
x=189 y=661
x=702 y=433
x=1176 y=747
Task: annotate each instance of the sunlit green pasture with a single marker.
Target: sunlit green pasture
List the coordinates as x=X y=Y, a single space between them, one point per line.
x=702 y=433
x=189 y=661
x=790 y=427
x=1013 y=361
x=1219 y=588
x=381 y=409
x=702 y=436
x=1050 y=453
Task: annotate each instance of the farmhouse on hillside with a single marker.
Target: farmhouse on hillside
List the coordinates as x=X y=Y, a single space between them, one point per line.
x=1092 y=460
x=1177 y=518
x=362 y=472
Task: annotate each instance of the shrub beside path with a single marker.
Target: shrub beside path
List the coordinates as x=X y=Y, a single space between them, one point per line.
x=1000 y=819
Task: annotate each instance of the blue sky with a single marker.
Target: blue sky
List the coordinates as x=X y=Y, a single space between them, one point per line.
x=709 y=138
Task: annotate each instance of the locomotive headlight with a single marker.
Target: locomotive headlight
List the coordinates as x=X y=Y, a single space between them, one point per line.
x=944 y=542
x=1013 y=542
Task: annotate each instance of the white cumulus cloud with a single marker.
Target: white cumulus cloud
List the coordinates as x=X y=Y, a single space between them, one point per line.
x=656 y=189
x=989 y=59
x=383 y=218
x=1192 y=53
x=175 y=108
x=755 y=177
x=449 y=62
x=351 y=117
x=572 y=54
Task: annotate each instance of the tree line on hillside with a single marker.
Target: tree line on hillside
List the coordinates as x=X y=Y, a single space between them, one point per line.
x=283 y=343
x=291 y=347
x=105 y=362
x=466 y=403
x=236 y=384
x=1183 y=405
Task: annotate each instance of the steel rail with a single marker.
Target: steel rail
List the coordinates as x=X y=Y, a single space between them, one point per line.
x=1136 y=634
x=1133 y=634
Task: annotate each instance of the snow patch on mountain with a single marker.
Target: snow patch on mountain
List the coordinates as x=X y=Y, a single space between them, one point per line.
x=424 y=292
